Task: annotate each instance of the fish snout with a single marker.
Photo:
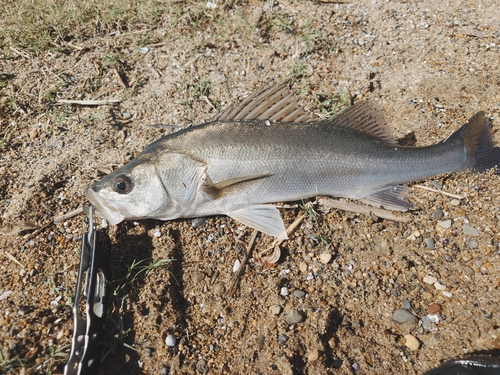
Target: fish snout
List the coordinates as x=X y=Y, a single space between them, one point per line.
x=112 y=215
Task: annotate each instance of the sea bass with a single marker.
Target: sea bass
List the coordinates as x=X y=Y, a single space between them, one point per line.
x=268 y=149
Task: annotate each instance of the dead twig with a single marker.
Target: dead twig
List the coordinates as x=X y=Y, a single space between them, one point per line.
x=119 y=78
x=440 y=192
x=360 y=209
x=28 y=237
x=25 y=55
x=12 y=258
x=237 y=275
x=58 y=219
x=89 y=102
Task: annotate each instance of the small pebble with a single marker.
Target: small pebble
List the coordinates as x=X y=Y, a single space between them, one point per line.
x=429 y=242
x=436 y=184
x=448 y=258
x=429 y=279
x=294 y=317
x=197 y=222
x=314 y=355
x=455 y=202
x=433 y=318
x=325 y=258
x=303 y=267
x=426 y=324
x=236 y=265
x=411 y=342
x=284 y=291
x=200 y=365
x=197 y=276
x=282 y=339
x=144 y=50
x=60 y=335
x=433 y=308
x=444 y=224
x=299 y=293
x=126 y=115
x=157 y=233
x=406 y=304
x=275 y=309
x=219 y=289
x=164 y=370
x=437 y=214
x=170 y=340
x=446 y=293
x=471 y=244
x=439 y=286
x=404 y=316
x=470 y=231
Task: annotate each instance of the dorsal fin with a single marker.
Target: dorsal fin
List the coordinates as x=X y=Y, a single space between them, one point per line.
x=366 y=118
x=275 y=103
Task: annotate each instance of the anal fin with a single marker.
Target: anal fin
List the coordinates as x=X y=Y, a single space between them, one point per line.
x=263 y=217
x=391 y=198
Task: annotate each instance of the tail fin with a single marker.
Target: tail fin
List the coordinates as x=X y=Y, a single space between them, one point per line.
x=476 y=136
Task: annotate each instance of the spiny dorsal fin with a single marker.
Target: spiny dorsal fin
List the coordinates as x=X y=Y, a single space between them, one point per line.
x=275 y=103
x=365 y=117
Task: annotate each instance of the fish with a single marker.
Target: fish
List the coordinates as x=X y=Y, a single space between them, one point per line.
x=268 y=149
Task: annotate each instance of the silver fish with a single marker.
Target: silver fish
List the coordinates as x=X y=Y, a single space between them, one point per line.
x=268 y=149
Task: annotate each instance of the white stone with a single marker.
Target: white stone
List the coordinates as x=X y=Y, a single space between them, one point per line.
x=325 y=258
x=236 y=265
x=170 y=340
x=439 y=286
x=430 y=279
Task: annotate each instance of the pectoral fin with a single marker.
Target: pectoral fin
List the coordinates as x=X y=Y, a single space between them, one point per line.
x=216 y=190
x=391 y=198
x=264 y=218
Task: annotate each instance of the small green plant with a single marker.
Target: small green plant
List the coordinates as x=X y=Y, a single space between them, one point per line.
x=335 y=104
x=299 y=70
x=134 y=270
x=323 y=239
x=53 y=357
x=11 y=363
x=201 y=88
x=310 y=212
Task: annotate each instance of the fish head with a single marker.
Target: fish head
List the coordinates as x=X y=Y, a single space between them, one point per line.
x=134 y=191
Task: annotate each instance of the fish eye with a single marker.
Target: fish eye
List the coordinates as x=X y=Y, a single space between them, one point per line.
x=122 y=184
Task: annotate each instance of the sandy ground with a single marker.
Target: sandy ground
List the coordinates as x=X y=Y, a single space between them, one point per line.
x=428 y=65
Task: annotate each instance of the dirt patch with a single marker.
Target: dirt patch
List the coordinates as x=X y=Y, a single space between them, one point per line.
x=429 y=66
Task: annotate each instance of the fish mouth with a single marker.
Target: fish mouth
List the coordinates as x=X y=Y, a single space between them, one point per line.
x=112 y=215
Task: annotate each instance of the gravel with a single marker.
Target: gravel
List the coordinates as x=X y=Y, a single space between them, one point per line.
x=404 y=316
x=470 y=231
x=295 y=317
x=299 y=293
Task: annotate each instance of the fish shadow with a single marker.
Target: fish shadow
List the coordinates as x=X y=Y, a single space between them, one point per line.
x=125 y=281
x=129 y=249
x=409 y=140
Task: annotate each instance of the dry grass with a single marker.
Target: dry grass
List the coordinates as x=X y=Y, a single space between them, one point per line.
x=41 y=25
